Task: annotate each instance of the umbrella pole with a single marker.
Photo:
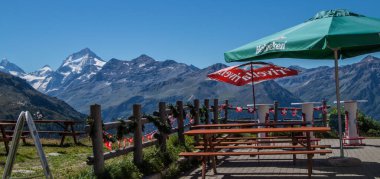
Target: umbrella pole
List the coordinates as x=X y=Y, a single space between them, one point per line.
x=338 y=102
x=253 y=90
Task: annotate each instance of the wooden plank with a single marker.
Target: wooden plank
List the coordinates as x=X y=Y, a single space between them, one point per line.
x=115 y=124
x=257 y=130
x=215 y=111
x=180 y=121
x=137 y=136
x=196 y=118
x=226 y=111
x=249 y=124
x=231 y=143
x=188 y=154
x=122 y=151
x=207 y=105
x=265 y=147
x=97 y=139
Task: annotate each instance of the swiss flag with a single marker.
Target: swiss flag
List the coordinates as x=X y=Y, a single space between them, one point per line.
x=284 y=111
x=294 y=112
x=251 y=110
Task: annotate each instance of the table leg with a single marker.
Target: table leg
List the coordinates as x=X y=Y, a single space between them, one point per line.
x=5 y=139
x=73 y=133
x=309 y=156
x=62 y=139
x=213 y=158
x=294 y=142
x=204 y=157
x=64 y=135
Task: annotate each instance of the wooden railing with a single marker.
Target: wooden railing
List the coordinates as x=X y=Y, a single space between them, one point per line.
x=95 y=131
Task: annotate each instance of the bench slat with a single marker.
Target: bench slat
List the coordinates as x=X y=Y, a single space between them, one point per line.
x=188 y=154
x=53 y=132
x=255 y=138
x=264 y=147
x=231 y=143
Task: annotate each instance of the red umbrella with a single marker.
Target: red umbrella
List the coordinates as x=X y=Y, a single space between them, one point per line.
x=251 y=73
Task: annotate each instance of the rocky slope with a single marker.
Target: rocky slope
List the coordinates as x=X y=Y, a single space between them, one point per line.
x=17 y=95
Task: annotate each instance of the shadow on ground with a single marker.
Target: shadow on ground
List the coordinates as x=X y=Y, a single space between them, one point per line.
x=321 y=169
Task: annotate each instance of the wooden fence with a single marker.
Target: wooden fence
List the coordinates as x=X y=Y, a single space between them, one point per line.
x=95 y=130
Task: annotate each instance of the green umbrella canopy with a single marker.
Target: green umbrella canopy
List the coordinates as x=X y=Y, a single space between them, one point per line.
x=352 y=34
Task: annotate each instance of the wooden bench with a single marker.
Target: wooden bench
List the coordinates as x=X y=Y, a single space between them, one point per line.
x=262 y=139
x=204 y=155
x=210 y=145
x=201 y=154
x=265 y=147
x=61 y=133
x=360 y=139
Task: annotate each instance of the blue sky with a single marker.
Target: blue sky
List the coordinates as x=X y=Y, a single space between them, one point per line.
x=35 y=33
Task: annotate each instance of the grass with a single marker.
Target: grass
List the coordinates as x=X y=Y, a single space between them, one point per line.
x=63 y=161
x=69 y=161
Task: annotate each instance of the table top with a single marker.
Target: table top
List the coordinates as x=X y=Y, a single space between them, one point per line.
x=251 y=124
x=7 y=123
x=257 y=130
x=42 y=121
x=54 y=121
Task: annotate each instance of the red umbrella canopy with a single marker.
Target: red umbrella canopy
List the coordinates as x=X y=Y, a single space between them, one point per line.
x=242 y=74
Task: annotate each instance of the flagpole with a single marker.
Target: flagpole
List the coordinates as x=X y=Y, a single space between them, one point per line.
x=253 y=89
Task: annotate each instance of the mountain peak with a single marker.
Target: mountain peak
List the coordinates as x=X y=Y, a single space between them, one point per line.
x=8 y=67
x=298 y=68
x=84 y=52
x=143 y=59
x=4 y=62
x=215 y=67
x=46 y=68
x=369 y=58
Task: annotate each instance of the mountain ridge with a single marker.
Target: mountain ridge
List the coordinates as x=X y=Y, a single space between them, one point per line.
x=117 y=84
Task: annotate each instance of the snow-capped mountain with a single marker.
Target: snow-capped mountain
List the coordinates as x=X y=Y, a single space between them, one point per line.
x=76 y=68
x=37 y=78
x=8 y=67
x=120 y=84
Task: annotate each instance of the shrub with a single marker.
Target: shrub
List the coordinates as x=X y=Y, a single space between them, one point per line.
x=373 y=133
x=367 y=125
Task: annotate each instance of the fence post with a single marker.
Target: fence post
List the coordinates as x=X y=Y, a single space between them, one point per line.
x=324 y=115
x=196 y=118
x=207 y=106
x=180 y=119
x=97 y=139
x=275 y=115
x=162 y=111
x=216 y=112
x=226 y=111
x=137 y=138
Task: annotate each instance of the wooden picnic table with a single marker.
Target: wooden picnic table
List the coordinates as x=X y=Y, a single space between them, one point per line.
x=66 y=125
x=209 y=144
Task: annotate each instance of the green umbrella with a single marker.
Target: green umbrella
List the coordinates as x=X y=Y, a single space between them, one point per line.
x=333 y=34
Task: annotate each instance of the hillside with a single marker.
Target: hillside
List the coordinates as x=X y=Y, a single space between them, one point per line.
x=17 y=95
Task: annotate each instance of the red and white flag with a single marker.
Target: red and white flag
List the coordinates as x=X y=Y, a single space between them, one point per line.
x=239 y=109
